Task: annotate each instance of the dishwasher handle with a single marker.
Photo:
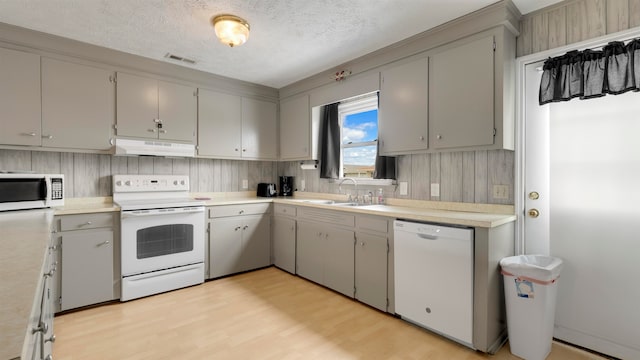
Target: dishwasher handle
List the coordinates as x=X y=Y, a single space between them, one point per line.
x=427 y=236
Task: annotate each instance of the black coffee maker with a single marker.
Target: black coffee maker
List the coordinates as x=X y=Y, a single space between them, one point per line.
x=286 y=185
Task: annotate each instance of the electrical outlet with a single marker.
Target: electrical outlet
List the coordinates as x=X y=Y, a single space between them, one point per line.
x=302 y=185
x=404 y=188
x=500 y=191
x=435 y=190
x=245 y=184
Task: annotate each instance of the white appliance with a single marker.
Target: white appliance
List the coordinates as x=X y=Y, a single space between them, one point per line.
x=162 y=234
x=30 y=191
x=153 y=147
x=434 y=278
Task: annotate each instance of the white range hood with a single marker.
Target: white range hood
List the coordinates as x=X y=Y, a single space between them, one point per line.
x=153 y=148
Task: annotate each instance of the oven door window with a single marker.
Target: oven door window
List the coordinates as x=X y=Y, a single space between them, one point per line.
x=164 y=240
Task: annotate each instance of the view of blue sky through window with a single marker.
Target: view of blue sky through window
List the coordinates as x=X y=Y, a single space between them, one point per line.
x=360 y=128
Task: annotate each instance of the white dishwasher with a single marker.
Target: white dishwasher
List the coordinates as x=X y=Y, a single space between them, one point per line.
x=434 y=278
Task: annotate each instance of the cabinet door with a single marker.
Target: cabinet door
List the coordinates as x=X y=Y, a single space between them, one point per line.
x=256 y=242
x=339 y=260
x=177 y=110
x=78 y=106
x=225 y=247
x=461 y=94
x=19 y=98
x=284 y=243
x=371 y=270
x=310 y=252
x=295 y=128
x=137 y=106
x=402 y=114
x=87 y=268
x=259 y=126
x=219 y=124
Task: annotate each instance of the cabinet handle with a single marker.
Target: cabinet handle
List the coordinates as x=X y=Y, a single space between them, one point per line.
x=421 y=138
x=362 y=243
x=51 y=339
x=28 y=134
x=238 y=228
x=86 y=224
x=49 y=357
x=245 y=227
x=439 y=137
x=107 y=242
x=151 y=130
x=157 y=121
x=43 y=327
x=244 y=150
x=47 y=137
x=163 y=131
x=236 y=149
x=241 y=212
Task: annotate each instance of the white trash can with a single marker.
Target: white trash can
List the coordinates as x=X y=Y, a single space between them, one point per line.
x=530 y=289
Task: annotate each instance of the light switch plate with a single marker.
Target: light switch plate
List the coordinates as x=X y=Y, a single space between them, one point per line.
x=435 y=190
x=404 y=188
x=245 y=184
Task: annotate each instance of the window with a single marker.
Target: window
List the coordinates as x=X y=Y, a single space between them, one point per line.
x=359 y=134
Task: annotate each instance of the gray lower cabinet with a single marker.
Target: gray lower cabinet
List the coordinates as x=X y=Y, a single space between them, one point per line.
x=326 y=255
x=372 y=270
x=239 y=238
x=284 y=237
x=86 y=246
x=324 y=252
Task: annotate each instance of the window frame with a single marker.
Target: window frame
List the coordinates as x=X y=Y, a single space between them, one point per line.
x=359 y=104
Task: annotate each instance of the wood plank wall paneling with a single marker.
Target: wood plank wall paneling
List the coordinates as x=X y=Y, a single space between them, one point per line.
x=463 y=177
x=90 y=175
x=634 y=13
x=574 y=21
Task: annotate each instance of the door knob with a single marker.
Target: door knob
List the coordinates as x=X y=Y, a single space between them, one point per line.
x=534 y=213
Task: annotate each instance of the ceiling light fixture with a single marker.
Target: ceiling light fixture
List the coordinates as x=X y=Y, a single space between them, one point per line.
x=231 y=30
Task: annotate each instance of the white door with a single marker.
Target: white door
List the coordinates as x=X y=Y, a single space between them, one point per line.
x=583 y=159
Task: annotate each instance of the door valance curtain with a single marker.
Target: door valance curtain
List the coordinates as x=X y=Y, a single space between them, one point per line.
x=591 y=73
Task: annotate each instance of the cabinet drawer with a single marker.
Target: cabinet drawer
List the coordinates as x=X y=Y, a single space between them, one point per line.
x=235 y=210
x=372 y=223
x=333 y=217
x=85 y=221
x=284 y=210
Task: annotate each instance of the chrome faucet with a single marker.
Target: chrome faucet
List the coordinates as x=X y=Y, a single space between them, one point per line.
x=355 y=185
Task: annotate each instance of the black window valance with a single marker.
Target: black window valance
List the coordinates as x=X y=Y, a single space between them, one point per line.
x=591 y=73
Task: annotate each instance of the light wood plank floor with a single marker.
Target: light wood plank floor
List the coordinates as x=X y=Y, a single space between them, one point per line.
x=265 y=314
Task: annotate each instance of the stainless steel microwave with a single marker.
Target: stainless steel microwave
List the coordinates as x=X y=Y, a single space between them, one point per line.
x=31 y=191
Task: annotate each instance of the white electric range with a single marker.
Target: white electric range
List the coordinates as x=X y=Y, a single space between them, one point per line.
x=162 y=234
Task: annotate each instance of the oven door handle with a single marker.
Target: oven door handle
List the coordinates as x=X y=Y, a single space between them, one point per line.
x=143 y=213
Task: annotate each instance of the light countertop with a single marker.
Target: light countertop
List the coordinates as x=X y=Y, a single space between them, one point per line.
x=23 y=245
x=464 y=214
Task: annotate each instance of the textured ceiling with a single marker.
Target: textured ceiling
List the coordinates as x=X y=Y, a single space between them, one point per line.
x=289 y=41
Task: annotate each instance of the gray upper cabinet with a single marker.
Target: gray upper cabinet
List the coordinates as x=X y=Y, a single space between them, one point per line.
x=259 y=124
x=461 y=95
x=235 y=127
x=298 y=130
x=219 y=124
x=78 y=106
x=155 y=109
x=20 y=98
x=402 y=114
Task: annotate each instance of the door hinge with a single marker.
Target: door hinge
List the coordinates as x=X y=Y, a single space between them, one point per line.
x=208 y=228
x=388 y=250
x=115 y=126
x=113 y=79
x=495 y=131
x=195 y=93
x=494 y=45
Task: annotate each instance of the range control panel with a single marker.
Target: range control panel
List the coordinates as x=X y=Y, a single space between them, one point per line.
x=150 y=183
